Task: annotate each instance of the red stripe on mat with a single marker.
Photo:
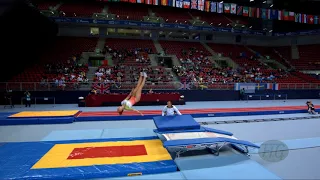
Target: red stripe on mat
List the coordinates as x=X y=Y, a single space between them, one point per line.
x=194 y=111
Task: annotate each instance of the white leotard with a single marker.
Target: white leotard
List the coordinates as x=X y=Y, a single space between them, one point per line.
x=127 y=104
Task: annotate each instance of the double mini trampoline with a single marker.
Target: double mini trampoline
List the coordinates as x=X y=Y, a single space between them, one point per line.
x=181 y=134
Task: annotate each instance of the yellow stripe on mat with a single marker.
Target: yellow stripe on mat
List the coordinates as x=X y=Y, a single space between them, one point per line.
x=45 y=113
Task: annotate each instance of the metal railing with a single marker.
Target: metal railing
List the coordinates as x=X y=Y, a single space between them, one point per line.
x=175 y=85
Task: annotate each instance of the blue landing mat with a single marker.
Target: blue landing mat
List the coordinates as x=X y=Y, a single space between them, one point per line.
x=171 y=123
x=18 y=158
x=29 y=121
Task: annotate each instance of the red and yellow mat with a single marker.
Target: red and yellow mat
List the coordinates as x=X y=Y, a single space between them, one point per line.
x=102 y=153
x=27 y=114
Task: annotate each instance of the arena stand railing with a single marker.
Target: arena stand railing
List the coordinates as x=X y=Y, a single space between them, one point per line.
x=103 y=88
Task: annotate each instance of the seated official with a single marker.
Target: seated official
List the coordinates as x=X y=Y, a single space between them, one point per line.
x=170 y=110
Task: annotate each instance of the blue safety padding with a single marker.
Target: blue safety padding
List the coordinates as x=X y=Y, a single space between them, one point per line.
x=165 y=123
x=186 y=142
x=202 y=129
x=28 y=121
x=179 y=131
x=114 y=118
x=197 y=115
x=166 y=176
x=217 y=131
x=18 y=158
x=100 y=140
x=73 y=135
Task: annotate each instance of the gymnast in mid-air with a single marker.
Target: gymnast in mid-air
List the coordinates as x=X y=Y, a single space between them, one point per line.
x=134 y=96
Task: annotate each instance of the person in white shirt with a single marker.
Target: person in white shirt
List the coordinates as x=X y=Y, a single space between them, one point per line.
x=170 y=110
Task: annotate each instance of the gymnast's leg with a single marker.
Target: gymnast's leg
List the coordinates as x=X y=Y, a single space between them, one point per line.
x=138 y=90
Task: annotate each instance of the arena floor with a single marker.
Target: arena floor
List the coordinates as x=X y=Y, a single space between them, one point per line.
x=302 y=135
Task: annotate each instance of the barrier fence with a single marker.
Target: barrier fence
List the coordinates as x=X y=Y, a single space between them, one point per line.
x=105 y=87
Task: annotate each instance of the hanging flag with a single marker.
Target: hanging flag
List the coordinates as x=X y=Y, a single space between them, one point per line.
x=300 y=18
x=213 y=7
x=291 y=16
x=227 y=8
x=285 y=15
x=280 y=15
x=140 y=1
x=155 y=2
x=220 y=8
x=245 y=11
x=304 y=18
x=148 y=2
x=179 y=4
x=297 y=18
x=274 y=14
x=132 y=1
x=316 y=19
x=164 y=2
x=172 y=3
x=258 y=13
x=186 y=4
x=194 y=4
x=310 y=19
x=201 y=5
x=264 y=13
x=239 y=10
x=269 y=14
x=233 y=9
x=250 y=9
x=207 y=6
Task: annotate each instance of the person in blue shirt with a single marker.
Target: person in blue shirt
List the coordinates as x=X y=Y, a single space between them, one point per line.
x=170 y=110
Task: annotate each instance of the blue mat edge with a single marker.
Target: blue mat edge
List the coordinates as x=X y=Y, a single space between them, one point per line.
x=89 y=140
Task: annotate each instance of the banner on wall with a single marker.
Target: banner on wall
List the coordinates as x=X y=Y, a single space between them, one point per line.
x=174 y=26
x=252 y=87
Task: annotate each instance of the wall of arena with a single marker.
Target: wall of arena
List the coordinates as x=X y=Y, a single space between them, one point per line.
x=71 y=97
x=217 y=37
